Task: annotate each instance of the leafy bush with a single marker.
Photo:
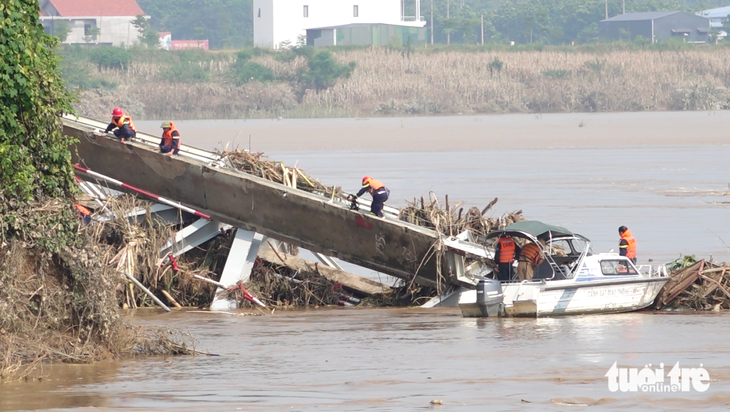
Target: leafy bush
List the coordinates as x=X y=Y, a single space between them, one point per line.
x=324 y=71
x=108 y=57
x=242 y=73
x=495 y=66
x=186 y=73
x=556 y=74
x=35 y=161
x=77 y=75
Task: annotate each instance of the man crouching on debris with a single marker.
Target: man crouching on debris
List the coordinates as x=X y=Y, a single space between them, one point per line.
x=377 y=190
x=627 y=244
x=170 y=143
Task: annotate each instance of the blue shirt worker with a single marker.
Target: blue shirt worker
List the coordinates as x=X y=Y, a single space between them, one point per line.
x=170 y=138
x=377 y=190
x=123 y=124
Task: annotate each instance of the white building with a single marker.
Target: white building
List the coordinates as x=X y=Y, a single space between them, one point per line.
x=276 y=22
x=112 y=18
x=717 y=16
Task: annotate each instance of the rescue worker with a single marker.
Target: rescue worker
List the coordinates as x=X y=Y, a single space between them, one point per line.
x=123 y=124
x=84 y=213
x=170 y=138
x=529 y=259
x=627 y=244
x=504 y=255
x=377 y=190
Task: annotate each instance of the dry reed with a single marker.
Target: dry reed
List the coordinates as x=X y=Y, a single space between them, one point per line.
x=387 y=82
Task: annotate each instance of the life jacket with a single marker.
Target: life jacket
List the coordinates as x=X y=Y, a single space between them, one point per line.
x=83 y=210
x=373 y=185
x=167 y=138
x=124 y=119
x=530 y=252
x=631 y=247
x=506 y=250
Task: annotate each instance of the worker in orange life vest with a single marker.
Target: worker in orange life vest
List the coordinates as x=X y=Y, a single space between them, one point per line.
x=84 y=213
x=505 y=252
x=627 y=244
x=377 y=190
x=123 y=124
x=170 y=142
x=529 y=259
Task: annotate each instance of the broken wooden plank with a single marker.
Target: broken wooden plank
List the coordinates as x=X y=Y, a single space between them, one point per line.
x=715 y=278
x=348 y=280
x=680 y=282
x=725 y=291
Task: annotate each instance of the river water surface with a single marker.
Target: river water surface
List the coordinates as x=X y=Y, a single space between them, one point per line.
x=661 y=174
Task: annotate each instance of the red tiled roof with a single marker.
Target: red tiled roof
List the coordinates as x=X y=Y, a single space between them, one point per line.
x=96 y=7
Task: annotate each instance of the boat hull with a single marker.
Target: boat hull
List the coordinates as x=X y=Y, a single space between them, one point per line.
x=560 y=298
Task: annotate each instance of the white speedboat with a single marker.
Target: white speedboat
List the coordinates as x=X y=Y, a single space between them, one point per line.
x=571 y=280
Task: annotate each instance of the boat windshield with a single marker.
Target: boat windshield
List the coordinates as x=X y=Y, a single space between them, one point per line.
x=568 y=247
x=617 y=267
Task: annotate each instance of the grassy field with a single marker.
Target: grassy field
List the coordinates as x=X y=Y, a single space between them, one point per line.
x=388 y=82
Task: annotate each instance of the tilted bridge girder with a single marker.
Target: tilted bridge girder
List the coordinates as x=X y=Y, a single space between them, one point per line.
x=200 y=179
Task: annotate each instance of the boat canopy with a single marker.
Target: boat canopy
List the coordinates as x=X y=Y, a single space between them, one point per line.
x=536 y=229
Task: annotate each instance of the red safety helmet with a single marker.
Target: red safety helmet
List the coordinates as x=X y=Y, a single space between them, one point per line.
x=117 y=112
x=366 y=179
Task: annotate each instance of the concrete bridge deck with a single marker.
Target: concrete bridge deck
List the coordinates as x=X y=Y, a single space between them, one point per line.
x=200 y=179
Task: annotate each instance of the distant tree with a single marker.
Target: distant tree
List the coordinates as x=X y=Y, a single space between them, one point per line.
x=147 y=36
x=60 y=29
x=225 y=23
x=91 y=34
x=244 y=70
x=324 y=71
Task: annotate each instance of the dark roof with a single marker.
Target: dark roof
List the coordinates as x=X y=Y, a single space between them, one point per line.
x=647 y=15
x=532 y=229
x=537 y=229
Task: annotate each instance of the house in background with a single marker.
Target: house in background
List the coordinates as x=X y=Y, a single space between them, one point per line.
x=366 y=34
x=717 y=16
x=280 y=22
x=656 y=26
x=92 y=21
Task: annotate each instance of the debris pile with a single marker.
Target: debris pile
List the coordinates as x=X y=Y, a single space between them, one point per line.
x=258 y=164
x=451 y=221
x=283 y=287
x=699 y=285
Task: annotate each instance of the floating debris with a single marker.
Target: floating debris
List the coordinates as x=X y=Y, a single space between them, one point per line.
x=699 y=285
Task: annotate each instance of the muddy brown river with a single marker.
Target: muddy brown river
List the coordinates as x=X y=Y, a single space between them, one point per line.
x=664 y=175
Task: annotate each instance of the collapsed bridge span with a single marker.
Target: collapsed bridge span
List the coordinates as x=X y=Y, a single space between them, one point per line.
x=201 y=179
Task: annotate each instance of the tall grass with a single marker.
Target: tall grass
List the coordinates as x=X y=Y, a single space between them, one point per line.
x=390 y=81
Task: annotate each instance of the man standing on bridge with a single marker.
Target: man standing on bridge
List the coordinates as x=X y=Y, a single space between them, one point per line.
x=377 y=190
x=123 y=124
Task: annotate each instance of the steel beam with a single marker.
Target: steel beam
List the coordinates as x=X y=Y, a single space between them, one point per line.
x=238 y=266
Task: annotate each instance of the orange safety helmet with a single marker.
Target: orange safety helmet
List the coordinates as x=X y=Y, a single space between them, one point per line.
x=117 y=112
x=366 y=179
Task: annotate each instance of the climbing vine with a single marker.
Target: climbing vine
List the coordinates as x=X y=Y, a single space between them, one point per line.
x=35 y=162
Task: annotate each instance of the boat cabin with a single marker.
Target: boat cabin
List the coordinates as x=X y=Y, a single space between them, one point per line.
x=563 y=252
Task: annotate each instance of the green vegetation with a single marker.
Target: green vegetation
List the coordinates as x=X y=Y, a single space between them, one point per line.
x=148 y=37
x=34 y=156
x=324 y=71
x=227 y=24
x=244 y=70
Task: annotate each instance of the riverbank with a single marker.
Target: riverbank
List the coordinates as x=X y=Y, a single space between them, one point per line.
x=390 y=82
